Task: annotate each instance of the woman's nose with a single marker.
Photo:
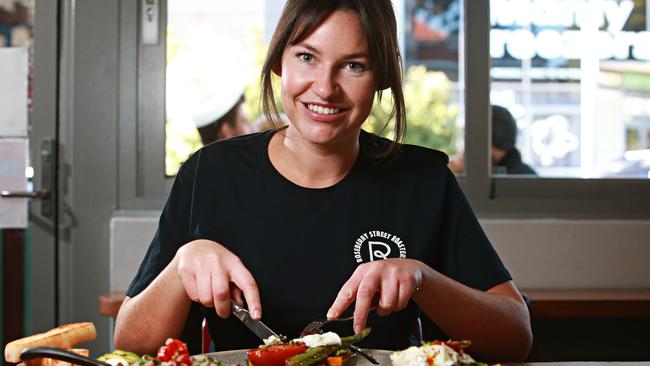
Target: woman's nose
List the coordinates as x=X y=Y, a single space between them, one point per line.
x=325 y=85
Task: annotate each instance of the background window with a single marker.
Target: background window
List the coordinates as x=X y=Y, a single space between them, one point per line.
x=576 y=77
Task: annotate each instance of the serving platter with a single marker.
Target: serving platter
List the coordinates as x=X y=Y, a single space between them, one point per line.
x=239 y=357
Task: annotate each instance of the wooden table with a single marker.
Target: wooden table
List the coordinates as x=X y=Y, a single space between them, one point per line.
x=582 y=363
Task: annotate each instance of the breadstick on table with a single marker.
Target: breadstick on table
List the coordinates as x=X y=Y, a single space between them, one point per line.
x=65 y=336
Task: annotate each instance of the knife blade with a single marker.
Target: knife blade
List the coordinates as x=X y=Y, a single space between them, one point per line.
x=260 y=329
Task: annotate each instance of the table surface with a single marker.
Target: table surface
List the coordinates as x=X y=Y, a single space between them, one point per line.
x=582 y=363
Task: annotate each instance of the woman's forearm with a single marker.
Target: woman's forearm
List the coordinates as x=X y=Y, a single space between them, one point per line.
x=497 y=321
x=145 y=321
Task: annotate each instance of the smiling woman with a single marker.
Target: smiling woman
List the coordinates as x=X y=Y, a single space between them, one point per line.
x=314 y=188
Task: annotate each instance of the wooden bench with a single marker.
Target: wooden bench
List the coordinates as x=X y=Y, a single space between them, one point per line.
x=544 y=303
x=589 y=303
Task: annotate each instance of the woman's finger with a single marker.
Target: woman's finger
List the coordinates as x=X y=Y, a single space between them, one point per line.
x=204 y=289
x=189 y=283
x=244 y=280
x=389 y=295
x=220 y=293
x=346 y=296
x=404 y=295
x=368 y=286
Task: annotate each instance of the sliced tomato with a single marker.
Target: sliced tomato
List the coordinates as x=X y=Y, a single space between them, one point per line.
x=275 y=355
x=174 y=350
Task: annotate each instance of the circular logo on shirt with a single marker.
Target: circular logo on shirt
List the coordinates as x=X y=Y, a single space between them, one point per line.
x=375 y=245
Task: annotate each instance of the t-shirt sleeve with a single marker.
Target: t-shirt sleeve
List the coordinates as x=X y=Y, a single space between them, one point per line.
x=174 y=228
x=467 y=254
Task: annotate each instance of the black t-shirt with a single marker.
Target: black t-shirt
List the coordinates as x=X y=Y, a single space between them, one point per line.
x=302 y=244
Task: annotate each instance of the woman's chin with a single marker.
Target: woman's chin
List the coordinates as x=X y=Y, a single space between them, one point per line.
x=319 y=135
x=325 y=135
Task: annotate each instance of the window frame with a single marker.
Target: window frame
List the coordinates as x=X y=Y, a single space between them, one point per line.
x=534 y=197
x=143 y=184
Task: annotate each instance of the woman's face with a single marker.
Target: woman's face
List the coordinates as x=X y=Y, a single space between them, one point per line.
x=327 y=84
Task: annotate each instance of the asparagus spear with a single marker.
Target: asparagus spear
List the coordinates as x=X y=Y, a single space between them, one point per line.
x=318 y=354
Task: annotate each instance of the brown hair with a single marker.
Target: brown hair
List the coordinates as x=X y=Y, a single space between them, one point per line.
x=301 y=17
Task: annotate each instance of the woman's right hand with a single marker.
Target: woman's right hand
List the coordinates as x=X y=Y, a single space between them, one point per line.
x=213 y=275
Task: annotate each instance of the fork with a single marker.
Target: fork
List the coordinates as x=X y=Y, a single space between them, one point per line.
x=315 y=326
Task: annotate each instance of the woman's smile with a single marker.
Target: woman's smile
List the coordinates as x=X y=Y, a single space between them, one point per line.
x=324 y=113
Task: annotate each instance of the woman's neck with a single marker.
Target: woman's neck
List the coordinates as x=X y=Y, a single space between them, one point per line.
x=310 y=165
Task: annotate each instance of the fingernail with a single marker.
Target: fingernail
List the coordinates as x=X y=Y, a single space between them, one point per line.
x=331 y=314
x=256 y=313
x=357 y=329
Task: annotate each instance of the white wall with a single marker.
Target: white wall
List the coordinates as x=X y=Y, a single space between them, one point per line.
x=541 y=254
x=574 y=254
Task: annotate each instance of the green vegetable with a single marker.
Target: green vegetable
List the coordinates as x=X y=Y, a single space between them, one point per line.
x=120 y=357
x=312 y=356
x=356 y=338
x=318 y=354
x=206 y=361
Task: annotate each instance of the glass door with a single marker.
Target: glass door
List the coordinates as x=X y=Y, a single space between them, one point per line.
x=28 y=168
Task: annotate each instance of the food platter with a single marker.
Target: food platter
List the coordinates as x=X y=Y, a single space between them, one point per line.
x=239 y=357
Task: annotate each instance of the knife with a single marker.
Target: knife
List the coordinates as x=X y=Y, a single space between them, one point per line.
x=260 y=329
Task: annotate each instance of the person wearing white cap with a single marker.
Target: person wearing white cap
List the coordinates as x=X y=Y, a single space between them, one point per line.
x=221 y=115
x=216 y=78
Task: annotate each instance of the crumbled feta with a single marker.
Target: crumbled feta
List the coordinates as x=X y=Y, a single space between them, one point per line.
x=316 y=340
x=272 y=340
x=412 y=356
x=439 y=354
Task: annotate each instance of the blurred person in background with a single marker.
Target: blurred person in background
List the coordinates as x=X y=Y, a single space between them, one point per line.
x=221 y=114
x=506 y=158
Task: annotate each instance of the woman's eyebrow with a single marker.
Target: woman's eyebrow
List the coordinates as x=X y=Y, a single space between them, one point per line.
x=346 y=57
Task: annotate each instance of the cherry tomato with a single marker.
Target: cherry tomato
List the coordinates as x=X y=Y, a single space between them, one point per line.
x=275 y=355
x=174 y=350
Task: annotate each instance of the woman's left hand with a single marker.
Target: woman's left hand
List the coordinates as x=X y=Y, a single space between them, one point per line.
x=393 y=280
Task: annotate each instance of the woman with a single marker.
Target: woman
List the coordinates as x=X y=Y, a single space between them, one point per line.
x=341 y=216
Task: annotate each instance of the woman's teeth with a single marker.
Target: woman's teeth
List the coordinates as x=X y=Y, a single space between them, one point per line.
x=321 y=110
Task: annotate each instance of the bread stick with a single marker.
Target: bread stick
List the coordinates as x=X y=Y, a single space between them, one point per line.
x=65 y=336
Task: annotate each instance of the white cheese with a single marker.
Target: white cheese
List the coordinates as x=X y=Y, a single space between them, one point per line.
x=412 y=356
x=440 y=354
x=316 y=340
x=272 y=340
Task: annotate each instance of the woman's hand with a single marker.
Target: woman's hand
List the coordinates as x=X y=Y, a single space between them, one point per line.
x=395 y=280
x=213 y=275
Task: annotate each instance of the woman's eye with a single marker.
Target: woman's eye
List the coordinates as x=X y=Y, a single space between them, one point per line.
x=355 y=66
x=305 y=57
